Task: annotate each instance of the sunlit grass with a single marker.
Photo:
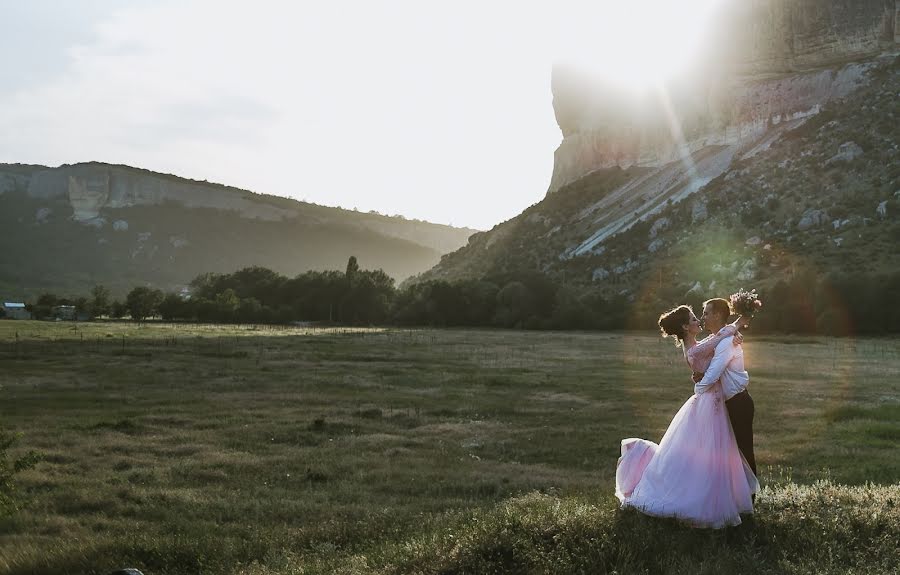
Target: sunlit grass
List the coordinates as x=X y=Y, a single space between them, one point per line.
x=193 y=449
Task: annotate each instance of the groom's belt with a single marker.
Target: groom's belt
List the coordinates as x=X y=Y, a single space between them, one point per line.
x=737 y=395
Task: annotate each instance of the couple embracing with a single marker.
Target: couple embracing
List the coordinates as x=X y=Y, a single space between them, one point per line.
x=703 y=471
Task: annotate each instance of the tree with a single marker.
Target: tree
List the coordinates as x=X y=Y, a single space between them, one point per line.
x=515 y=304
x=143 y=302
x=369 y=298
x=570 y=311
x=117 y=309
x=316 y=295
x=227 y=304
x=481 y=301
x=83 y=306
x=172 y=307
x=249 y=311
x=352 y=269
x=257 y=282
x=205 y=285
x=100 y=304
x=43 y=308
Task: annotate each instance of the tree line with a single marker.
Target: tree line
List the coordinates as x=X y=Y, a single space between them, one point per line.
x=803 y=304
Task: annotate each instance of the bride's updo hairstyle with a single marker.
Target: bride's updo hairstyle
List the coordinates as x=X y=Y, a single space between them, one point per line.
x=672 y=323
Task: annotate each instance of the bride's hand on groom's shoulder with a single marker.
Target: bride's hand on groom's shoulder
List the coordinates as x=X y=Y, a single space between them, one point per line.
x=738 y=338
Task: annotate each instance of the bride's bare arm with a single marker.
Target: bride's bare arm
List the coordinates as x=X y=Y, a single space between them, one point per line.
x=709 y=344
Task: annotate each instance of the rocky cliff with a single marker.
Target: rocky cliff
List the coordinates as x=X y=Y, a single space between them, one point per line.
x=728 y=180
x=768 y=61
x=93 y=187
x=68 y=228
x=778 y=36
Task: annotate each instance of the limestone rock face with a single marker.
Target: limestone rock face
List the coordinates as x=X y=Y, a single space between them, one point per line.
x=6 y=184
x=599 y=274
x=12 y=181
x=734 y=112
x=747 y=271
x=92 y=187
x=88 y=194
x=812 y=218
x=772 y=70
x=846 y=152
x=694 y=290
x=790 y=35
x=699 y=212
x=178 y=242
x=658 y=226
x=42 y=214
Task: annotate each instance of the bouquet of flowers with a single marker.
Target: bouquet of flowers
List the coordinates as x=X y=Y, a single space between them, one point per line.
x=745 y=303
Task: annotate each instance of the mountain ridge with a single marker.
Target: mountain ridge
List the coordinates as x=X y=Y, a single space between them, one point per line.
x=815 y=199
x=123 y=226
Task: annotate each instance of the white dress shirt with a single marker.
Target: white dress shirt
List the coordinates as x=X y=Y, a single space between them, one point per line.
x=727 y=365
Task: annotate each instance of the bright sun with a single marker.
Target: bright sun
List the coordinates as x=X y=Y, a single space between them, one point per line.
x=638 y=43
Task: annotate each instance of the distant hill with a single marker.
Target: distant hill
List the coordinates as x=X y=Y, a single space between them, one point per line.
x=66 y=229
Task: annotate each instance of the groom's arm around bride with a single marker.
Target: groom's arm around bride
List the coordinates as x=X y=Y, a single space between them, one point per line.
x=727 y=366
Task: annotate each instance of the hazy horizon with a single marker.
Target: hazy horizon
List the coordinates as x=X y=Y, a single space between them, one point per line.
x=441 y=112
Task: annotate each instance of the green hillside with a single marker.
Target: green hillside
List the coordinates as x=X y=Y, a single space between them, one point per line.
x=42 y=248
x=823 y=200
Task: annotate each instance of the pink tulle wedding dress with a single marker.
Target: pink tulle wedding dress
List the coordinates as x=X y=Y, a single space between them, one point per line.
x=697 y=472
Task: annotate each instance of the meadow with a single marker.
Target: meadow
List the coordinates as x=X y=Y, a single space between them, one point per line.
x=180 y=448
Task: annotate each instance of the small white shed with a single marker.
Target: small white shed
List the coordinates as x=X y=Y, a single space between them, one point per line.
x=15 y=310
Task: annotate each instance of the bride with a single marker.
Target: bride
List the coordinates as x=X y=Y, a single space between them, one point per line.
x=697 y=472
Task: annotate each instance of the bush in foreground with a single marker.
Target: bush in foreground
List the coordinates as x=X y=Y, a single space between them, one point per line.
x=820 y=528
x=9 y=467
x=802 y=530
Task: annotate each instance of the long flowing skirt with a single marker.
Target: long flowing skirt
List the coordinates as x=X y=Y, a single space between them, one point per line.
x=696 y=473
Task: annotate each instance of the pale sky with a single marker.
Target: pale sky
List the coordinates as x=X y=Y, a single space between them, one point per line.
x=439 y=111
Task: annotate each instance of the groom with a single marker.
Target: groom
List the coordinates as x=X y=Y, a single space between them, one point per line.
x=727 y=366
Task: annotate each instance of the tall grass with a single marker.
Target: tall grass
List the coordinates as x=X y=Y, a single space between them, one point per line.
x=228 y=449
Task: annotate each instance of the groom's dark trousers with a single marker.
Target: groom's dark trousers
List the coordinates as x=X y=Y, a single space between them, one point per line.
x=740 y=412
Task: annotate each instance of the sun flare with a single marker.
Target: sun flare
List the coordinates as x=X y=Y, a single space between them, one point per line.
x=635 y=44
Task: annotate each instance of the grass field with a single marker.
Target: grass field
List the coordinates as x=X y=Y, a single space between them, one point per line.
x=232 y=449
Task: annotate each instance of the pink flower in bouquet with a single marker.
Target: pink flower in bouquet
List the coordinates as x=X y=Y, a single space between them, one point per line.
x=745 y=303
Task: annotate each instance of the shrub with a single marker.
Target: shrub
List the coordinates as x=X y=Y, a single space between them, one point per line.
x=9 y=467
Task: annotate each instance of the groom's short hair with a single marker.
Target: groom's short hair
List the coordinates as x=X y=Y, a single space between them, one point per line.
x=719 y=306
